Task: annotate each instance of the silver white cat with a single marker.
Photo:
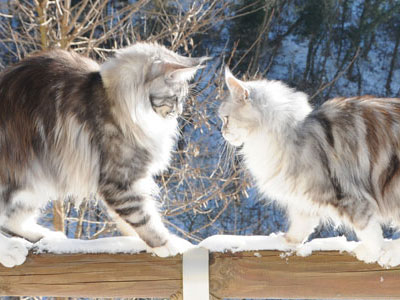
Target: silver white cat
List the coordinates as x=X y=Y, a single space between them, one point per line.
x=338 y=162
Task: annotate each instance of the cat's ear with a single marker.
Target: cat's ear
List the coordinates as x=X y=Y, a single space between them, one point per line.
x=182 y=74
x=176 y=72
x=236 y=87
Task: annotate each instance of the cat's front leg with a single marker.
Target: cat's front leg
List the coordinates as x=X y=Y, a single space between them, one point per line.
x=301 y=225
x=22 y=219
x=32 y=231
x=137 y=206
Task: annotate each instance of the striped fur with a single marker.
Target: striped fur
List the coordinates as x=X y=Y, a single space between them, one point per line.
x=339 y=162
x=71 y=127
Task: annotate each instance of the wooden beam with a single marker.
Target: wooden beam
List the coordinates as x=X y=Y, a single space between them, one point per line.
x=261 y=274
x=323 y=275
x=93 y=275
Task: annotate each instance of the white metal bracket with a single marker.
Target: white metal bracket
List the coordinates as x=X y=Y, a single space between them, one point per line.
x=195 y=274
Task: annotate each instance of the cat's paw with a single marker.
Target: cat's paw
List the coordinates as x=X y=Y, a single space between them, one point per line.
x=367 y=254
x=35 y=237
x=14 y=252
x=390 y=254
x=35 y=232
x=291 y=244
x=174 y=246
x=54 y=235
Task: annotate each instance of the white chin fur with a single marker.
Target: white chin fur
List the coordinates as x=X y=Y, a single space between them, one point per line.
x=236 y=143
x=233 y=142
x=232 y=139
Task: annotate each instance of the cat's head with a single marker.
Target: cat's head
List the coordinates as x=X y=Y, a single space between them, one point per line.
x=150 y=78
x=239 y=116
x=259 y=106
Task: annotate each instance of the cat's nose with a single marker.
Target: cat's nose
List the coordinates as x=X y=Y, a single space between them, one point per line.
x=178 y=107
x=224 y=127
x=224 y=121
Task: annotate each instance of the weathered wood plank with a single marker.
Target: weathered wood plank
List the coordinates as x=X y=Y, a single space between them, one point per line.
x=323 y=275
x=93 y=275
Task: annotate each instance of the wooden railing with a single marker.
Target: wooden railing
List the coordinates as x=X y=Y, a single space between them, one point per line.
x=261 y=274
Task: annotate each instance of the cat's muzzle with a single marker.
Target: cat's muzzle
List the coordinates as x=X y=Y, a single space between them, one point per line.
x=166 y=107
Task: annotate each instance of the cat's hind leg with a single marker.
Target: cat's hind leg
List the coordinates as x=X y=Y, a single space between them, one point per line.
x=13 y=251
x=22 y=218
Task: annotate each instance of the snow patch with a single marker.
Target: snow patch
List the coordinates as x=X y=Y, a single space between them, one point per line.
x=339 y=243
x=112 y=245
x=231 y=243
x=123 y=244
x=234 y=243
x=216 y=243
x=237 y=243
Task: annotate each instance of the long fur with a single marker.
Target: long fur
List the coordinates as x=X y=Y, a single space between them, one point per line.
x=337 y=162
x=71 y=127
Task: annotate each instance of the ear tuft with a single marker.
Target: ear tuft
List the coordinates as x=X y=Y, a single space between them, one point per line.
x=182 y=74
x=172 y=71
x=236 y=87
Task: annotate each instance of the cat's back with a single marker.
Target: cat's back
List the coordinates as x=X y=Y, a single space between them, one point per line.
x=37 y=78
x=359 y=106
x=364 y=113
x=43 y=85
x=357 y=133
x=357 y=143
x=349 y=125
x=53 y=62
x=38 y=96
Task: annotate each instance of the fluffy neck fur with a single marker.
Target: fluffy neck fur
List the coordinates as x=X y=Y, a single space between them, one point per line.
x=125 y=82
x=272 y=150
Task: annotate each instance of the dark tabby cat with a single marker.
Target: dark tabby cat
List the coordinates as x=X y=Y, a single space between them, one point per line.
x=69 y=127
x=338 y=162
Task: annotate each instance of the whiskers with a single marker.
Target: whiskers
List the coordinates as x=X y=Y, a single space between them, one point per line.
x=184 y=121
x=227 y=158
x=195 y=90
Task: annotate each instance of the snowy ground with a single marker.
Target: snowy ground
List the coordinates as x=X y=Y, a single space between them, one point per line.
x=216 y=243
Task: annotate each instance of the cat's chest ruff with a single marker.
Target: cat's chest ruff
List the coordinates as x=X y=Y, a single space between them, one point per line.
x=271 y=164
x=159 y=139
x=278 y=180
